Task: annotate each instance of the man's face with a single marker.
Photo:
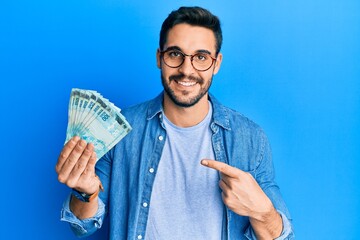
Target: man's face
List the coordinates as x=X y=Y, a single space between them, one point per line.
x=185 y=85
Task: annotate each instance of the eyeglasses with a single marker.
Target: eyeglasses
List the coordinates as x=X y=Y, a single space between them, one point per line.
x=175 y=58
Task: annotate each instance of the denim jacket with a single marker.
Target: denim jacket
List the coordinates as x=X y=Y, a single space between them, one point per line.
x=127 y=172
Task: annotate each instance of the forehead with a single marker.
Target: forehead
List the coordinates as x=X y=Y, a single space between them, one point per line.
x=191 y=39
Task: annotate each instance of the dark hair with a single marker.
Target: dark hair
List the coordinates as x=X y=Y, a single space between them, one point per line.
x=195 y=16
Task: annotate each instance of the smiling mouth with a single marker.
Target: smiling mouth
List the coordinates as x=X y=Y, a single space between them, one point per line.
x=186 y=83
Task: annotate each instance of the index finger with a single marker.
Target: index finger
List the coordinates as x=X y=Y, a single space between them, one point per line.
x=222 y=167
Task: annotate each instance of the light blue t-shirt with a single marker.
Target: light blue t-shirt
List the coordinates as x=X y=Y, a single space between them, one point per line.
x=186 y=199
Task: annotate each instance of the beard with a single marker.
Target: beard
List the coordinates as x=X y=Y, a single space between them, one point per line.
x=189 y=101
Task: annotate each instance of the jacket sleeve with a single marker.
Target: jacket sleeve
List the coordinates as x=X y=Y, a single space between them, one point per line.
x=86 y=227
x=265 y=176
x=286 y=234
x=83 y=227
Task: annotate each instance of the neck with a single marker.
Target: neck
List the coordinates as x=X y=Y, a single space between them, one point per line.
x=186 y=116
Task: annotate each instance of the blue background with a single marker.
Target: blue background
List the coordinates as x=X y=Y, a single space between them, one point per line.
x=292 y=66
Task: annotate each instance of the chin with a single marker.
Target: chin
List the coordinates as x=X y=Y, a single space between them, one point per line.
x=184 y=102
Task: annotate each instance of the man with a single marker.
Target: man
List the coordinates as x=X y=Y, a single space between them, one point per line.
x=161 y=181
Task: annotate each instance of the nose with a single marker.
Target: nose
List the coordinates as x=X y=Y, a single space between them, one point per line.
x=187 y=67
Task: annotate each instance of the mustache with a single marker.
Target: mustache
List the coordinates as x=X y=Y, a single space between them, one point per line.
x=182 y=76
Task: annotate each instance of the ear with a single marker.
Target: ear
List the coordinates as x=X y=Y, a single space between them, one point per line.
x=218 y=63
x=158 y=58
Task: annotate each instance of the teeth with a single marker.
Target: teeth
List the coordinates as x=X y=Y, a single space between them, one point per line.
x=187 y=84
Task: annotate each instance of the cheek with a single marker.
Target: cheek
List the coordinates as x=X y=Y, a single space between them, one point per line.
x=206 y=77
x=167 y=72
x=164 y=73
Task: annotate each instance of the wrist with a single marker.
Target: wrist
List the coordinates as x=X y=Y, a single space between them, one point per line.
x=265 y=216
x=85 y=197
x=268 y=225
x=81 y=209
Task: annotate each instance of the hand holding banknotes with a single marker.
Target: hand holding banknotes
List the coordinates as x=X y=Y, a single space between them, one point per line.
x=76 y=166
x=95 y=125
x=76 y=169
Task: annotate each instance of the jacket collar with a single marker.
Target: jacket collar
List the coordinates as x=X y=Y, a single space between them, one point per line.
x=220 y=112
x=155 y=106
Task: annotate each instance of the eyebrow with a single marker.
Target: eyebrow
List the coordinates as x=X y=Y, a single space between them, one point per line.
x=179 y=49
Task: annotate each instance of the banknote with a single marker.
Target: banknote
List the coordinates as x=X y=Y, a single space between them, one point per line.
x=96 y=120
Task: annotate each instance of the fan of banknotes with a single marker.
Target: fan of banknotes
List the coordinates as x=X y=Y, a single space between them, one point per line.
x=96 y=120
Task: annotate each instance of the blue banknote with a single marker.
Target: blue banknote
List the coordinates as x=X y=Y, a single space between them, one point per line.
x=96 y=120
